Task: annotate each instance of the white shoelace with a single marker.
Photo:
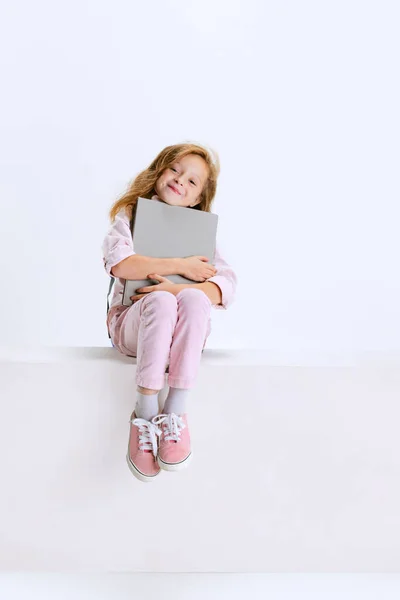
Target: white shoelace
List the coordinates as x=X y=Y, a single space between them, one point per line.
x=148 y=432
x=172 y=425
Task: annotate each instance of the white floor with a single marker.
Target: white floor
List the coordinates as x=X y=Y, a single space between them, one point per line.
x=292 y=586
x=295 y=470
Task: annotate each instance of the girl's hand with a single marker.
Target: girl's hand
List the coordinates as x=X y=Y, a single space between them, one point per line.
x=164 y=285
x=197 y=268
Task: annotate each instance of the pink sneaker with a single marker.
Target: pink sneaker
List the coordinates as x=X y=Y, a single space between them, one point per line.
x=142 y=449
x=174 y=451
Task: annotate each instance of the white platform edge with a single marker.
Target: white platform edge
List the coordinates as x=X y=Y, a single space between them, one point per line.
x=210 y=356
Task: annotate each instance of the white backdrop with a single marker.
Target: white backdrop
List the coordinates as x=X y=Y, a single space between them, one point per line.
x=301 y=101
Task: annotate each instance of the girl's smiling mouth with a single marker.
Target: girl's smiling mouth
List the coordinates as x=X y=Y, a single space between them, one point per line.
x=174 y=189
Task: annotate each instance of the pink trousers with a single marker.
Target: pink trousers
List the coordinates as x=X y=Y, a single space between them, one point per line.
x=162 y=330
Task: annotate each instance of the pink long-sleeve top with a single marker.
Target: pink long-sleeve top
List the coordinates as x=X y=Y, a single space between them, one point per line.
x=118 y=245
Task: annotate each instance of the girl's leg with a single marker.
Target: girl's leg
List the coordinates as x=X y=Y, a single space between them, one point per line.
x=188 y=340
x=145 y=330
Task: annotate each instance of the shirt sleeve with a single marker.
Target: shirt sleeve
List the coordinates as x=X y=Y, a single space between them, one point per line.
x=118 y=243
x=226 y=280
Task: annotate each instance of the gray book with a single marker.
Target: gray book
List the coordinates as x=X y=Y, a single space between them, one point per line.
x=160 y=230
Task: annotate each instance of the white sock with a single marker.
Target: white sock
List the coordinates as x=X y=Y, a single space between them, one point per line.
x=176 y=401
x=146 y=406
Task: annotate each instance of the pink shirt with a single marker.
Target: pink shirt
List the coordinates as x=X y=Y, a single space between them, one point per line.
x=118 y=244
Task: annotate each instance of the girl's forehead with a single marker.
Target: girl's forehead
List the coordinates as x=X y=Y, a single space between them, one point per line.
x=197 y=163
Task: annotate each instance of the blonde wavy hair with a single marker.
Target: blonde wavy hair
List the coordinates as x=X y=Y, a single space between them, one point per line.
x=143 y=186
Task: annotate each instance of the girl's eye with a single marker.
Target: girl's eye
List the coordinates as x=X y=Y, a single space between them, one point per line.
x=191 y=181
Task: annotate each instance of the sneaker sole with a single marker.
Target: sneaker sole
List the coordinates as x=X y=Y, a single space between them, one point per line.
x=137 y=473
x=175 y=466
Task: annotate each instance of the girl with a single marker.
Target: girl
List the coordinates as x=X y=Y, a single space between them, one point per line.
x=168 y=324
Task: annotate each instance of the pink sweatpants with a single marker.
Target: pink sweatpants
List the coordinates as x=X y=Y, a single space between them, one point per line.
x=163 y=330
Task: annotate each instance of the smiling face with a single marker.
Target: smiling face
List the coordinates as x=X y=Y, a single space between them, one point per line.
x=182 y=183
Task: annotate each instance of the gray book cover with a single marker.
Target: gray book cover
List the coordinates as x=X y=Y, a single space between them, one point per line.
x=160 y=230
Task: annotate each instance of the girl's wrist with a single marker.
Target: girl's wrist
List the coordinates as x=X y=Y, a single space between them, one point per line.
x=178 y=266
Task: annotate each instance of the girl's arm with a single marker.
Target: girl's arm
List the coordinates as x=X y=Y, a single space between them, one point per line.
x=139 y=266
